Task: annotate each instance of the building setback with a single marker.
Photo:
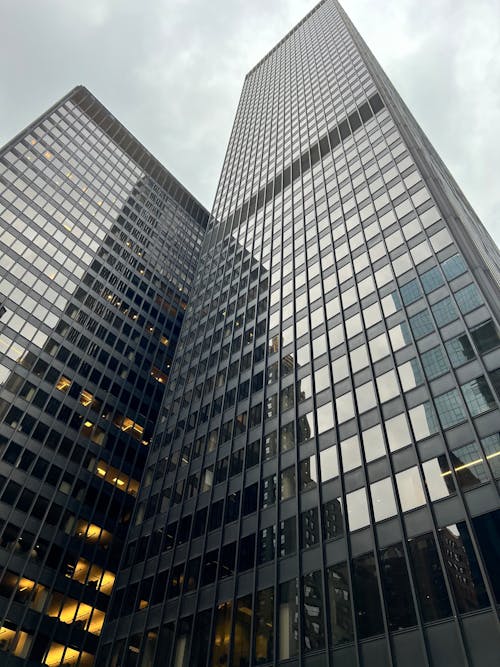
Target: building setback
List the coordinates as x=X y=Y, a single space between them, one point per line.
x=321 y=486
x=98 y=246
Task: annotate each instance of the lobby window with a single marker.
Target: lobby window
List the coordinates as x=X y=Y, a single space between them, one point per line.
x=264 y=628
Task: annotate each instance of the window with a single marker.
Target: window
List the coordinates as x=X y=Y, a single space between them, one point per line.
x=387 y=386
x=397 y=590
x=333 y=525
x=459 y=350
x=309 y=528
x=478 y=396
x=453 y=266
x=398 y=433
x=410 y=292
x=423 y=420
x=357 y=510
x=339 y=597
x=485 y=337
x=438 y=478
x=288 y=619
x=444 y=311
x=383 y=501
x=308 y=474
x=468 y=298
x=410 y=374
x=449 y=408
x=287 y=483
x=328 y=463
x=350 y=453
x=491 y=446
x=366 y=597
x=428 y=578
x=421 y=324
x=462 y=567
x=410 y=490
x=313 y=636
x=373 y=443
x=434 y=363
x=264 y=629
x=469 y=466
x=431 y=280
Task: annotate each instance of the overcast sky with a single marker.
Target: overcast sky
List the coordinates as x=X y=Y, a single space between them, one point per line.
x=172 y=70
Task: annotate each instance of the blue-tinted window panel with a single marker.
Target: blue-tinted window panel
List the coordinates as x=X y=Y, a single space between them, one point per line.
x=469 y=466
x=449 y=408
x=454 y=266
x=434 y=362
x=444 y=311
x=421 y=324
x=410 y=292
x=431 y=280
x=468 y=298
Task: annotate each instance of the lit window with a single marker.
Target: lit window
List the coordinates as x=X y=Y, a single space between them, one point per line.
x=63 y=384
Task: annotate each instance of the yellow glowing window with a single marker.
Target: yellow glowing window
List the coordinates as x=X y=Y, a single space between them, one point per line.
x=88 y=423
x=164 y=340
x=86 y=398
x=16 y=643
x=158 y=375
x=48 y=155
x=92 y=533
x=93 y=576
x=65 y=655
x=116 y=477
x=63 y=384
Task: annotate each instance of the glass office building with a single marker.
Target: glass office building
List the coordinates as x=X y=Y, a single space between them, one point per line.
x=322 y=484
x=98 y=247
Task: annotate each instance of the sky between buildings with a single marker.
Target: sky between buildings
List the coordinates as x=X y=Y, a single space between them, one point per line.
x=172 y=70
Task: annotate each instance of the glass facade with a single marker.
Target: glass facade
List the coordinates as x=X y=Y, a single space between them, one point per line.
x=98 y=246
x=323 y=469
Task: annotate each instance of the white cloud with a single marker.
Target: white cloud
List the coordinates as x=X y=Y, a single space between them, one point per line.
x=172 y=72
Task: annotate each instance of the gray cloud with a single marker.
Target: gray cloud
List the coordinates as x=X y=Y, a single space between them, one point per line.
x=172 y=72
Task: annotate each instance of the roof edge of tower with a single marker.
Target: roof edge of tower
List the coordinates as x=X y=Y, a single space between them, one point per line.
x=283 y=39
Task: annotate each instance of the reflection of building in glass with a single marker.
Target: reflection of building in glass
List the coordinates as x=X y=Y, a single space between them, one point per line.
x=98 y=249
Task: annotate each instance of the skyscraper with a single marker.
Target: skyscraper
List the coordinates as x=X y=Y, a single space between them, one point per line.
x=321 y=488
x=98 y=247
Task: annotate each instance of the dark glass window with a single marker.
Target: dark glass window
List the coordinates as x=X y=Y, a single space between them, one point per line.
x=339 y=596
x=428 y=579
x=242 y=631
x=288 y=619
x=366 y=597
x=333 y=525
x=309 y=528
x=267 y=544
x=264 y=627
x=449 y=408
x=487 y=529
x=313 y=636
x=485 y=336
x=463 y=569
x=397 y=590
x=288 y=537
